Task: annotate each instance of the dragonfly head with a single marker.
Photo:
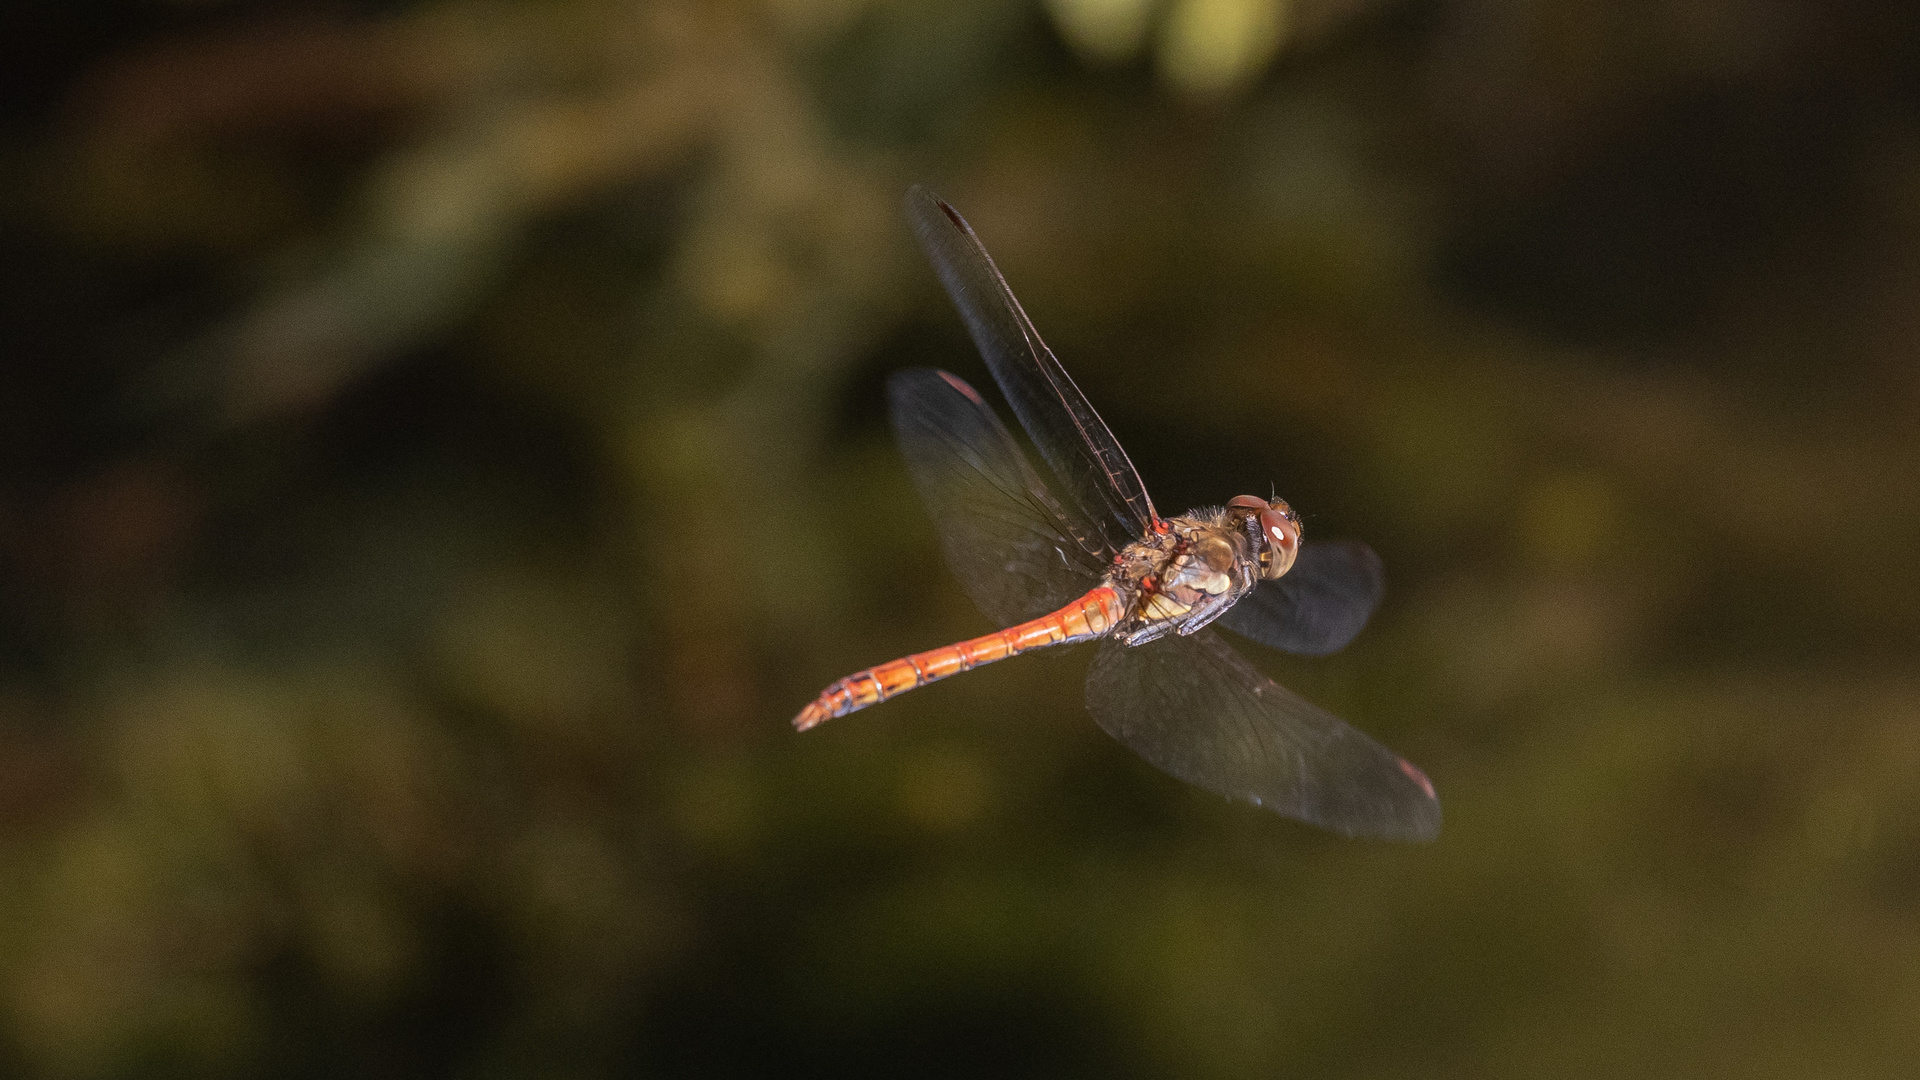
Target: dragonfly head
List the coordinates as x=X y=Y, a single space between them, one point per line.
x=1275 y=529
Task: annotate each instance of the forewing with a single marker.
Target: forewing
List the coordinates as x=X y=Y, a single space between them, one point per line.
x=1066 y=430
x=1196 y=708
x=1319 y=606
x=1017 y=551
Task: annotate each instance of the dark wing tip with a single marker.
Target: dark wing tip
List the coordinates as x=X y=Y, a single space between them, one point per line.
x=960 y=384
x=921 y=193
x=1401 y=806
x=907 y=381
x=1417 y=818
x=1408 y=816
x=1414 y=774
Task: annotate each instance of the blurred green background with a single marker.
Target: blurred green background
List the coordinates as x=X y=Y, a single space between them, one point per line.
x=442 y=445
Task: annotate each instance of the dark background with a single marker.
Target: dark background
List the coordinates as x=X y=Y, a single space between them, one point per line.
x=442 y=445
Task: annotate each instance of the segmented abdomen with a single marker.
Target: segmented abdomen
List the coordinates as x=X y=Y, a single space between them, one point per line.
x=1091 y=616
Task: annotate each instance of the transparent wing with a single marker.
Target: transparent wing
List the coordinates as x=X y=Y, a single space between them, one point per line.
x=1319 y=606
x=1196 y=708
x=1017 y=551
x=1071 y=437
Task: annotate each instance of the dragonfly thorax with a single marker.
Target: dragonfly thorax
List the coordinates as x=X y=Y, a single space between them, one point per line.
x=1186 y=575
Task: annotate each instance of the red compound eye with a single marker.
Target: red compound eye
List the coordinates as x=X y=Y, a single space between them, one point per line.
x=1246 y=502
x=1279 y=530
x=1281 y=535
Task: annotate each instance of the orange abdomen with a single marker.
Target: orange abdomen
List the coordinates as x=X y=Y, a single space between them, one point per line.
x=1091 y=616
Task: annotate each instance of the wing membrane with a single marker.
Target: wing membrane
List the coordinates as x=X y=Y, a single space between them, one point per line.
x=1064 y=427
x=1017 y=551
x=1319 y=606
x=1196 y=708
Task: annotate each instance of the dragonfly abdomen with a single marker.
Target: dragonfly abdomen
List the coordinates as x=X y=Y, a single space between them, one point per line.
x=1091 y=616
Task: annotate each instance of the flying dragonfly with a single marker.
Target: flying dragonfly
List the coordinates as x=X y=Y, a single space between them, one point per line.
x=1091 y=559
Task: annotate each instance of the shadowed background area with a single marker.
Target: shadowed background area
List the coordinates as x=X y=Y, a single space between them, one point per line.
x=442 y=445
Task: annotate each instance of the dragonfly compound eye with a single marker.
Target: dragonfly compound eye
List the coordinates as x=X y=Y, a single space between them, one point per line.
x=1280 y=540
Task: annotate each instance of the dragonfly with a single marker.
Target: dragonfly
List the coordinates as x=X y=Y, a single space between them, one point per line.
x=1088 y=558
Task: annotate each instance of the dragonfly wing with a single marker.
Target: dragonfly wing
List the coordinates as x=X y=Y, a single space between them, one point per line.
x=1319 y=606
x=1196 y=708
x=1063 y=426
x=1017 y=551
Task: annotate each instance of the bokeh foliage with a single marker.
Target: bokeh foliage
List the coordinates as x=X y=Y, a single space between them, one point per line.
x=441 y=447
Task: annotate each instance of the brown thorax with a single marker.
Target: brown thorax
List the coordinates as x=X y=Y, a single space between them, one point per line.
x=1183 y=576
